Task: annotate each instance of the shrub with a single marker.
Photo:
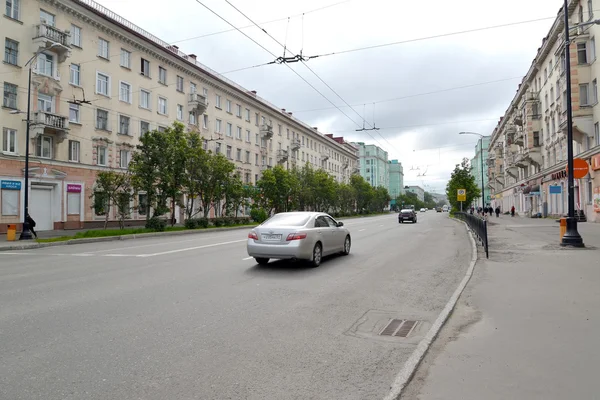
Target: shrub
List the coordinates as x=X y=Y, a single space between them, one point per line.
x=156 y=224
x=202 y=222
x=191 y=223
x=259 y=215
x=218 y=222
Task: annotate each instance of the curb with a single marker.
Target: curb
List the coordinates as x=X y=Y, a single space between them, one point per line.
x=413 y=362
x=122 y=237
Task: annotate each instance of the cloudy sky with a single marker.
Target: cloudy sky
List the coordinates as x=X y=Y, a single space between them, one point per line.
x=405 y=86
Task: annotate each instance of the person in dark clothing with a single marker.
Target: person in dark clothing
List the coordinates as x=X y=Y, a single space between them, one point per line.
x=31 y=223
x=497 y=212
x=512 y=211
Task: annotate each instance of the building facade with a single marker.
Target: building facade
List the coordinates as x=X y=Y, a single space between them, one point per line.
x=374 y=166
x=396 y=180
x=479 y=170
x=419 y=191
x=528 y=150
x=98 y=83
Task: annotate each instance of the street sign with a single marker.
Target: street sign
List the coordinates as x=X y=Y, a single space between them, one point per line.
x=10 y=185
x=461 y=195
x=555 y=189
x=580 y=168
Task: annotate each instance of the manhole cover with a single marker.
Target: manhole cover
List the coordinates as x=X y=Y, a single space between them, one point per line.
x=399 y=328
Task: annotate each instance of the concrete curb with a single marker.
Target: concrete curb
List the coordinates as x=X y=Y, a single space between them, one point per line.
x=122 y=237
x=411 y=365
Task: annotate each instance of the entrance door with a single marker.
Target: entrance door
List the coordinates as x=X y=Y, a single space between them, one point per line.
x=40 y=208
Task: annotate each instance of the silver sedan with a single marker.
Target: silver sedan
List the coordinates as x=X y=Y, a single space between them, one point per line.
x=301 y=235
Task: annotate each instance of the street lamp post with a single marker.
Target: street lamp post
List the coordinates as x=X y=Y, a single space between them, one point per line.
x=26 y=231
x=481 y=157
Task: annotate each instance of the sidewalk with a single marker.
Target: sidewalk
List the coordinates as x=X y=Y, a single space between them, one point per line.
x=528 y=323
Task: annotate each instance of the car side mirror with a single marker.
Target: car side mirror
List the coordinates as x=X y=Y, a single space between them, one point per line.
x=340 y=224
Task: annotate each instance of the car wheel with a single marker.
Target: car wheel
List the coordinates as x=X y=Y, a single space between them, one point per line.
x=317 y=255
x=347 y=244
x=261 y=261
x=415 y=221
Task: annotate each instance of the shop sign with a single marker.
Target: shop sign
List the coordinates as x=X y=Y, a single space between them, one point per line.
x=10 y=185
x=555 y=189
x=597 y=199
x=73 y=188
x=595 y=161
x=559 y=175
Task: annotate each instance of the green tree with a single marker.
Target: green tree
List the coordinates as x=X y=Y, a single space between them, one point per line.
x=380 y=199
x=346 y=199
x=364 y=192
x=173 y=173
x=461 y=178
x=196 y=167
x=212 y=189
x=114 y=188
x=274 y=189
x=324 y=191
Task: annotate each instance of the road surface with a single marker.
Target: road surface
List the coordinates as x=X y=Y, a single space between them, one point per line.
x=194 y=318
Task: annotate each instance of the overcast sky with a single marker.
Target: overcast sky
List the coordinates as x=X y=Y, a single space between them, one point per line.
x=421 y=131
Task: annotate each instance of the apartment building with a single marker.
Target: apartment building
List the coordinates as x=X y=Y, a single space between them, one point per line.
x=374 y=166
x=396 y=180
x=478 y=172
x=418 y=190
x=98 y=83
x=528 y=150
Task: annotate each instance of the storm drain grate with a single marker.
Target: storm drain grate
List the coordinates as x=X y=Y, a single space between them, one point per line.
x=399 y=328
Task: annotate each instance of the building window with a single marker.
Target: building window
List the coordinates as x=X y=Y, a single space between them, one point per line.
x=45 y=103
x=256 y=159
x=11 y=51
x=101 y=151
x=239 y=133
x=9 y=99
x=594 y=92
x=218 y=148
x=144 y=127
x=229 y=152
x=218 y=126
x=179 y=112
x=124 y=122
x=179 y=83
x=162 y=106
x=125 y=59
x=228 y=106
x=592 y=49
x=75 y=35
x=248 y=136
x=145 y=67
x=45 y=64
x=536 y=139
x=256 y=119
x=74 y=113
x=125 y=92
x=102 y=84
x=124 y=158
x=205 y=144
x=238 y=111
x=193 y=119
x=43 y=147
x=247 y=157
x=102 y=120
x=9 y=141
x=75 y=75
x=193 y=88
x=103 y=48
x=47 y=18
x=145 y=99
x=229 y=129
x=12 y=8
x=248 y=114
x=217 y=101
x=581 y=53
x=256 y=139
x=74 y=149
x=584 y=99
x=238 y=155
x=142 y=204
x=205 y=121
x=162 y=75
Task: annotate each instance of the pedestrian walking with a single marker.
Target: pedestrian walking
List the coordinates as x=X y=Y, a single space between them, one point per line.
x=498 y=212
x=512 y=211
x=31 y=223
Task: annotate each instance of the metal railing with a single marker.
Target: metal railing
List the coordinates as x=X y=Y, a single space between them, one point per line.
x=478 y=226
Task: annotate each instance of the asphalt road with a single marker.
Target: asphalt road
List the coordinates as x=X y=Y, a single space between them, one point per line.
x=194 y=318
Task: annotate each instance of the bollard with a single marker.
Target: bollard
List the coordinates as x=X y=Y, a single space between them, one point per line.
x=11 y=232
x=563 y=227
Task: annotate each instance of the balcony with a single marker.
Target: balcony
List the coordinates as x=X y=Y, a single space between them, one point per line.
x=295 y=144
x=518 y=120
x=266 y=131
x=51 y=38
x=282 y=156
x=521 y=160
x=519 y=138
x=264 y=150
x=532 y=96
x=345 y=164
x=324 y=156
x=265 y=167
x=44 y=122
x=534 y=155
x=197 y=103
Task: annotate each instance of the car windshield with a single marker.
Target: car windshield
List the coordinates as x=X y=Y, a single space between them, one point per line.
x=287 y=219
x=406 y=210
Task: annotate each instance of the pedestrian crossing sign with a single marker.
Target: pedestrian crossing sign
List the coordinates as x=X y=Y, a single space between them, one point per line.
x=461 y=195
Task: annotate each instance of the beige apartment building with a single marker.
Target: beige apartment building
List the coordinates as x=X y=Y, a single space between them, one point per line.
x=528 y=150
x=98 y=83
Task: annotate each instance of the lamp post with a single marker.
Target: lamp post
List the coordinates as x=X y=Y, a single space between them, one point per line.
x=26 y=232
x=481 y=157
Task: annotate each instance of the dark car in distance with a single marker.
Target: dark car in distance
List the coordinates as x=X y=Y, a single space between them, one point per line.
x=407 y=215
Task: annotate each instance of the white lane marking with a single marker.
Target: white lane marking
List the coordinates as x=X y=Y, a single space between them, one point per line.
x=360 y=230
x=16 y=254
x=381 y=225
x=190 y=248
x=247 y=258
x=154 y=244
x=118 y=255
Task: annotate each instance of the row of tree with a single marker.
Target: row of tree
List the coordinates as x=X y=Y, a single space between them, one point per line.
x=410 y=198
x=172 y=168
x=462 y=178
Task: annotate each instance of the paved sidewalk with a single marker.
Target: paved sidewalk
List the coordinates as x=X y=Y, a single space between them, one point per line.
x=527 y=326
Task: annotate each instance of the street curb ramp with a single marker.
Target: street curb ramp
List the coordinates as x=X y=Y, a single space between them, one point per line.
x=122 y=237
x=413 y=362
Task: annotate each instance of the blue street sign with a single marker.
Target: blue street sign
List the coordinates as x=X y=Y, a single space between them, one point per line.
x=10 y=185
x=555 y=189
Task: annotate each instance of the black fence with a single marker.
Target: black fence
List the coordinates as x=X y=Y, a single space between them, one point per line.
x=477 y=225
